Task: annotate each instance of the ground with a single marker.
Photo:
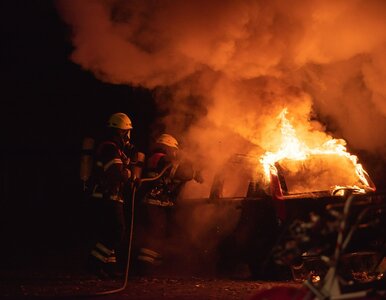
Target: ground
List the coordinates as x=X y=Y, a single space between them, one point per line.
x=60 y=275
x=18 y=284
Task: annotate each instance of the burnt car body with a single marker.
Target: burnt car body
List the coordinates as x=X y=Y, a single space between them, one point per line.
x=267 y=213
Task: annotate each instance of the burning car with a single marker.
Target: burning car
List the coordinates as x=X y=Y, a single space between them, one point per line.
x=268 y=214
x=271 y=193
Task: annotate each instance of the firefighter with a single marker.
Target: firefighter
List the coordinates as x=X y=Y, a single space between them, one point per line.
x=110 y=178
x=159 y=200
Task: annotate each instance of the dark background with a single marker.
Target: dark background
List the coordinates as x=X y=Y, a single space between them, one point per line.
x=48 y=104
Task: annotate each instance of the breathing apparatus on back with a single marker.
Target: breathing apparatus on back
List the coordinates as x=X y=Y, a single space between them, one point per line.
x=86 y=160
x=118 y=121
x=122 y=124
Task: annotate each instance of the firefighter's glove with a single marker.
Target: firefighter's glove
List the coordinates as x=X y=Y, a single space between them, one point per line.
x=198 y=177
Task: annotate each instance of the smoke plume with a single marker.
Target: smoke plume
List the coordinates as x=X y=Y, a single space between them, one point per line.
x=223 y=70
x=230 y=65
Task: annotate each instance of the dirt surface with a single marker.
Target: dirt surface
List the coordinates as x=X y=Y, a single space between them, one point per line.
x=57 y=271
x=27 y=284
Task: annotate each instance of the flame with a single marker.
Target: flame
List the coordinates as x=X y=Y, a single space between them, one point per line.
x=293 y=148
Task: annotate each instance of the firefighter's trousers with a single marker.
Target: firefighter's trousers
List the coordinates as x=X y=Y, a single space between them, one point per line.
x=110 y=226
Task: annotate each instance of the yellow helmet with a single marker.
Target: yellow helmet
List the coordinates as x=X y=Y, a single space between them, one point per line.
x=168 y=140
x=120 y=120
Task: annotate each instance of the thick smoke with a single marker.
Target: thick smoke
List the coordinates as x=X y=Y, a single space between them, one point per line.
x=222 y=70
x=237 y=62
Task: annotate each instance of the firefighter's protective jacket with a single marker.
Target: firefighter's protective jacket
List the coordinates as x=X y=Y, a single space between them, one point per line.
x=165 y=190
x=109 y=179
x=111 y=170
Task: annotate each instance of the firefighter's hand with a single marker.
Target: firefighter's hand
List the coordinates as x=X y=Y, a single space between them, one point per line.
x=198 y=177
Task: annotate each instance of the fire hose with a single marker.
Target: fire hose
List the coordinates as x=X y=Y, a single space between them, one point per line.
x=127 y=268
x=136 y=184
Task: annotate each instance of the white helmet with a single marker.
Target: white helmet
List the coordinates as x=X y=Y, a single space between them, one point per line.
x=168 y=140
x=120 y=120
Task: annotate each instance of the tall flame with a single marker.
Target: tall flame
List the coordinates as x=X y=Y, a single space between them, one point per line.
x=293 y=148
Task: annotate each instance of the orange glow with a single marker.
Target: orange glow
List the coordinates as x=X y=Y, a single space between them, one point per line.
x=297 y=156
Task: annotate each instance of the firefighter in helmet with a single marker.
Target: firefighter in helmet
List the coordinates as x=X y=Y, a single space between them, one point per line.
x=159 y=199
x=110 y=176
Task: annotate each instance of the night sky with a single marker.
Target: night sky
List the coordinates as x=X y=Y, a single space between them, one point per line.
x=48 y=105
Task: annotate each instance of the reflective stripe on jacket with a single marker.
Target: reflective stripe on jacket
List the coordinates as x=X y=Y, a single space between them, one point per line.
x=111 y=171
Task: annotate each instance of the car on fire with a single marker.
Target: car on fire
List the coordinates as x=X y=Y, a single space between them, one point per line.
x=300 y=192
